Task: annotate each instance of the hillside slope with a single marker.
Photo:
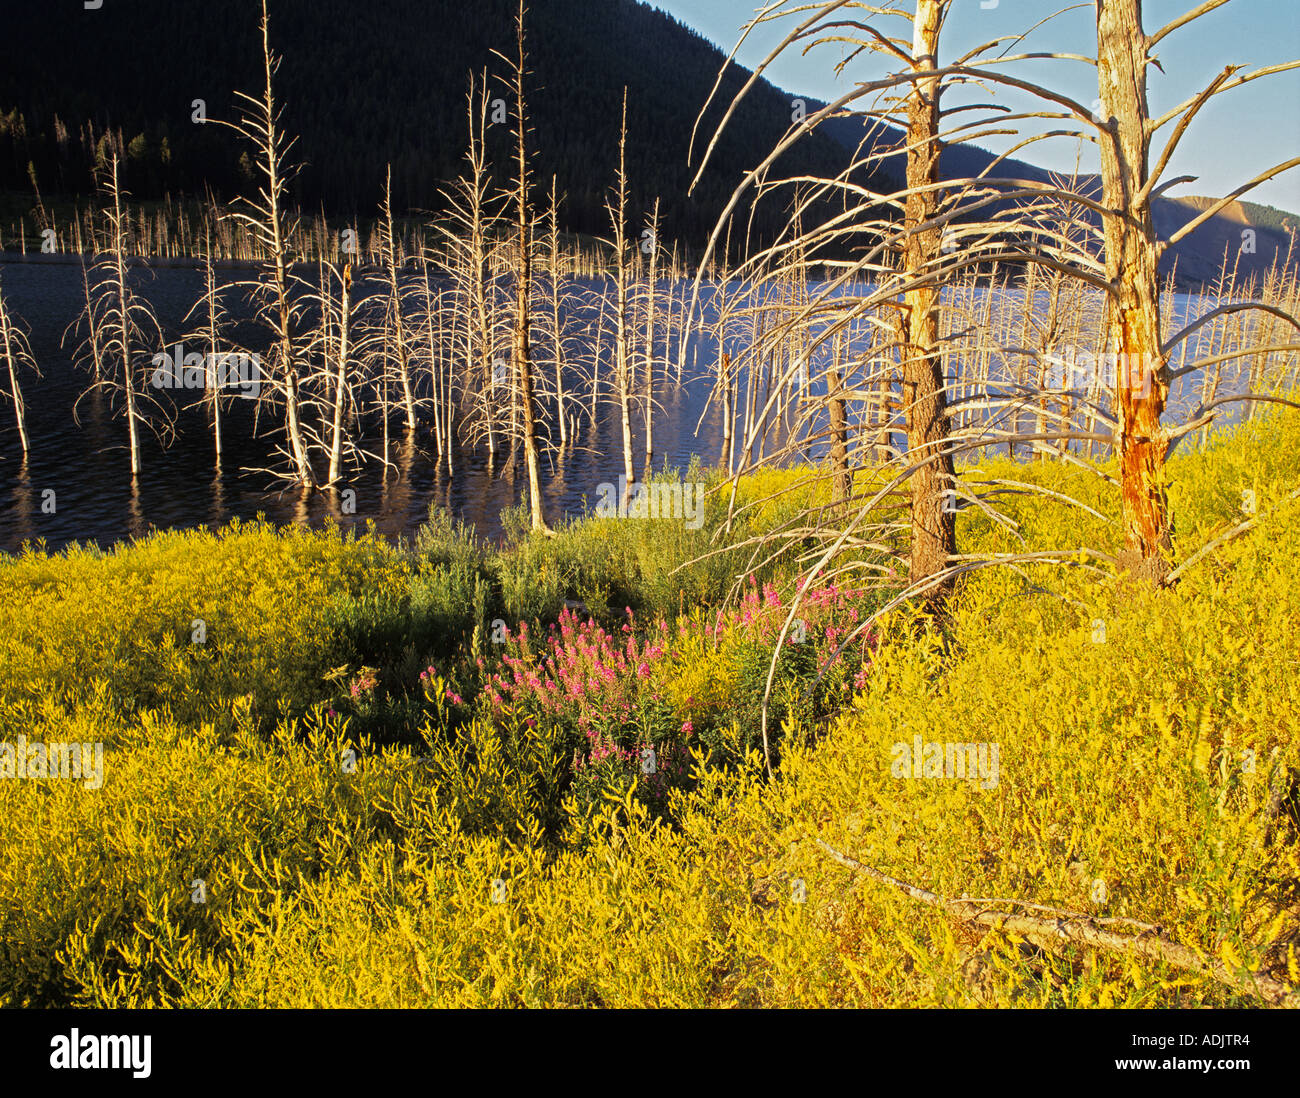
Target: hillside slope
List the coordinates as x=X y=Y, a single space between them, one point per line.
x=364 y=85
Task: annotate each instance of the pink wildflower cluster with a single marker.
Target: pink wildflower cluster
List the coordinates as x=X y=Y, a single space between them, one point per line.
x=432 y=684
x=603 y=683
x=581 y=671
x=828 y=613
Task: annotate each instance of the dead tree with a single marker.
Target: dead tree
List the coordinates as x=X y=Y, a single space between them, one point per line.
x=651 y=247
x=895 y=241
x=1132 y=258
x=16 y=352
x=395 y=325
x=275 y=228
x=555 y=313
x=124 y=328
x=993 y=219
x=933 y=523
x=341 y=378
x=616 y=207
x=210 y=332
x=474 y=214
x=522 y=358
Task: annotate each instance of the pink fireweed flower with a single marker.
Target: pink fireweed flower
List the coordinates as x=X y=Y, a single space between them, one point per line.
x=687 y=728
x=454 y=698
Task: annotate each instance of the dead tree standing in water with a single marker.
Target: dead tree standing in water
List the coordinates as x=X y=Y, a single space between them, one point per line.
x=15 y=351
x=523 y=364
x=271 y=224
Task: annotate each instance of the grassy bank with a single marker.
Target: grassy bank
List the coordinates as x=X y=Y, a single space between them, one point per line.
x=407 y=776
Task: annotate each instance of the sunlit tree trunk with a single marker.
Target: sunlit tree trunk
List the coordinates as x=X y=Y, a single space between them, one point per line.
x=397 y=330
x=341 y=380
x=524 y=286
x=649 y=390
x=924 y=399
x=555 y=272
x=10 y=349
x=211 y=331
x=622 y=330
x=123 y=318
x=842 y=485
x=271 y=224
x=1131 y=267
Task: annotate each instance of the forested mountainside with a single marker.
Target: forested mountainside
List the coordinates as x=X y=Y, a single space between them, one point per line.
x=368 y=84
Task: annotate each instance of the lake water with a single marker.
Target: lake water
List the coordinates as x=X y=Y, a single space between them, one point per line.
x=79 y=447
x=85 y=460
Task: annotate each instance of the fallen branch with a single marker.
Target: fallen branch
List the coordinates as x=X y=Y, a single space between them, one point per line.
x=1068 y=926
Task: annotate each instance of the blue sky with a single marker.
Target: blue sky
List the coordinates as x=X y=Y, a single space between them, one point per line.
x=1232 y=140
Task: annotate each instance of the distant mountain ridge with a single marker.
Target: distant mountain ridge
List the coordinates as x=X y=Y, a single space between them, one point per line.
x=1195 y=260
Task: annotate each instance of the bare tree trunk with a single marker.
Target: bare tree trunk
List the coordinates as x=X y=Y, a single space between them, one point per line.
x=10 y=349
x=341 y=383
x=524 y=285
x=1131 y=268
x=124 y=322
x=271 y=225
x=728 y=409
x=482 y=348
x=933 y=525
x=885 y=413
x=557 y=318
x=622 y=332
x=397 y=329
x=842 y=485
x=210 y=275
x=435 y=363
x=383 y=412
x=649 y=393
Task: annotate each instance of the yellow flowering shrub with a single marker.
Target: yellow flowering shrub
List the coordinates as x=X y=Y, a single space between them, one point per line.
x=1145 y=773
x=187 y=620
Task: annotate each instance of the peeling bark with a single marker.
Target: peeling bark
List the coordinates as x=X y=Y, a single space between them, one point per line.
x=1141 y=382
x=928 y=426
